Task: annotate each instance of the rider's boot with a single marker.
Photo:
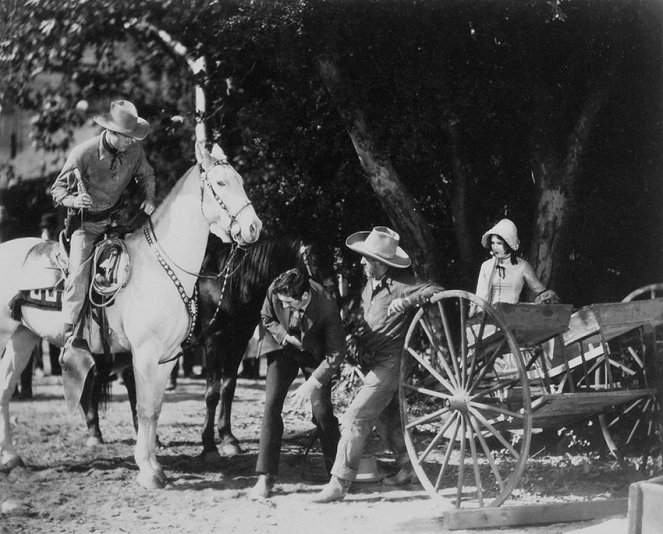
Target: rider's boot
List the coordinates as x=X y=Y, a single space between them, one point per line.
x=76 y=362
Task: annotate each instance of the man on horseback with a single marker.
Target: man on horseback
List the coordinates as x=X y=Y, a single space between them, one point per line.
x=90 y=185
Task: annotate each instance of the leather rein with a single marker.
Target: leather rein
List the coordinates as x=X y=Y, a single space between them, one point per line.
x=191 y=302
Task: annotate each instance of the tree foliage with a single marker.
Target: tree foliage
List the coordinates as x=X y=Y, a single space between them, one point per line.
x=508 y=79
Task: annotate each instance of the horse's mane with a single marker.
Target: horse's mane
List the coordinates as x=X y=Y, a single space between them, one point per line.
x=259 y=264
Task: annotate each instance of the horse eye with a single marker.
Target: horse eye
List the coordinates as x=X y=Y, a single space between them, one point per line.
x=221 y=183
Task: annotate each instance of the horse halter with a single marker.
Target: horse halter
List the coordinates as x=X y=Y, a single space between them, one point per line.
x=204 y=181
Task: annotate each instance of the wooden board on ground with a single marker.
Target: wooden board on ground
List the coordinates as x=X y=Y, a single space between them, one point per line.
x=532 y=514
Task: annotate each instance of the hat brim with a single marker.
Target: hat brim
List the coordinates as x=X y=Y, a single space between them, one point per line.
x=357 y=243
x=140 y=132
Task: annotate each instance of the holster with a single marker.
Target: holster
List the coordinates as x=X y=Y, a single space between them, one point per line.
x=72 y=222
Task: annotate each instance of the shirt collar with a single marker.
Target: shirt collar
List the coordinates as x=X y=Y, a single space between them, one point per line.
x=382 y=282
x=103 y=152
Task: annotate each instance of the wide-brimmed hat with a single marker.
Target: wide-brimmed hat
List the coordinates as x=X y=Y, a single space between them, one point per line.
x=379 y=244
x=123 y=118
x=506 y=230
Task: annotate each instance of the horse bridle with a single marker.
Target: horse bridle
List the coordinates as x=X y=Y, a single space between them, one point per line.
x=204 y=180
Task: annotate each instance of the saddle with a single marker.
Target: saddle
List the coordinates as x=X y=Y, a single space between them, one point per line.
x=46 y=267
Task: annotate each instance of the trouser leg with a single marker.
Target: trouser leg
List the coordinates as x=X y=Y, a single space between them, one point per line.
x=389 y=428
x=281 y=371
x=327 y=423
x=80 y=262
x=380 y=385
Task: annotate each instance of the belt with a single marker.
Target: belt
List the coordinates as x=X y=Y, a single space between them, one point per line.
x=96 y=216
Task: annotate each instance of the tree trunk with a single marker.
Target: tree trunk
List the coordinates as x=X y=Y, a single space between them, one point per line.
x=555 y=180
x=466 y=248
x=416 y=236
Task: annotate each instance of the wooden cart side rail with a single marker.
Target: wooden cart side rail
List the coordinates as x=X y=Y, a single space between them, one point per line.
x=550 y=410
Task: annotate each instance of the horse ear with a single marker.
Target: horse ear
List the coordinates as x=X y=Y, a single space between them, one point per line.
x=218 y=153
x=202 y=155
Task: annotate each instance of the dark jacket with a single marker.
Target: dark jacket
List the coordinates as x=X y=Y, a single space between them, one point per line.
x=322 y=330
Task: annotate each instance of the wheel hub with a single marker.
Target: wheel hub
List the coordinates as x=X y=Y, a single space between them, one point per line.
x=460 y=402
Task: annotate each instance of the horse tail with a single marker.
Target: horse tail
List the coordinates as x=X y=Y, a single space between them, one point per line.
x=102 y=382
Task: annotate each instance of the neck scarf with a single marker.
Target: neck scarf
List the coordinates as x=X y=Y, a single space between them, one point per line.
x=114 y=152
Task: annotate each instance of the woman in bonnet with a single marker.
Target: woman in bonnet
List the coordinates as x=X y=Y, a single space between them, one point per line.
x=503 y=277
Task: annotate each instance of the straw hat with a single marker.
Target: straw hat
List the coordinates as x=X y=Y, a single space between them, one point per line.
x=504 y=229
x=379 y=244
x=123 y=118
x=368 y=470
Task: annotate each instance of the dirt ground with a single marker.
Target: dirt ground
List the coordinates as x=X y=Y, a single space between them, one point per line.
x=66 y=487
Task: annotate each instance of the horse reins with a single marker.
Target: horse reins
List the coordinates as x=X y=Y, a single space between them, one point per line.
x=205 y=181
x=191 y=303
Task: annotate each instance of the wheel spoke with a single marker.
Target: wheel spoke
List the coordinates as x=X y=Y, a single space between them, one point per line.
x=449 y=337
x=426 y=391
x=488 y=453
x=495 y=432
x=461 y=463
x=476 y=348
x=486 y=365
x=447 y=455
x=477 y=471
x=463 y=342
x=496 y=409
x=453 y=376
x=430 y=369
x=436 y=440
x=502 y=384
x=427 y=418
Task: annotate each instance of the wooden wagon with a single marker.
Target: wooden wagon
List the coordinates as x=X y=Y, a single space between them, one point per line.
x=478 y=380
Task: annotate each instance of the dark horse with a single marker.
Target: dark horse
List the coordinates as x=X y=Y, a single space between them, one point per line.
x=227 y=321
x=225 y=325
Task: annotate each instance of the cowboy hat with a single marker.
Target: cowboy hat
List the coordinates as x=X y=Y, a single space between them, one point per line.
x=504 y=229
x=123 y=118
x=379 y=244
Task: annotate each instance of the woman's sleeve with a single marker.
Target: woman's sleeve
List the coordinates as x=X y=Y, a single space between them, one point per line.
x=532 y=282
x=482 y=281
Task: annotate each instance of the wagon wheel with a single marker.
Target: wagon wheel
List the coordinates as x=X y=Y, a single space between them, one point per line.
x=465 y=401
x=634 y=427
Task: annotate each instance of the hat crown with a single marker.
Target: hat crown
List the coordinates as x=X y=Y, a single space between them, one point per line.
x=124 y=114
x=382 y=241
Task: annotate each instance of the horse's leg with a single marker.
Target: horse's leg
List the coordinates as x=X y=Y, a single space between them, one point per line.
x=233 y=357
x=210 y=453
x=150 y=385
x=15 y=359
x=130 y=384
x=92 y=392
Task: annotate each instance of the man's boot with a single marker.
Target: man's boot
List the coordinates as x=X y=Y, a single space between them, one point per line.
x=335 y=490
x=76 y=362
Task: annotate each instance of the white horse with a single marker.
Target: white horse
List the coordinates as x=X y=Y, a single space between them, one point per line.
x=151 y=317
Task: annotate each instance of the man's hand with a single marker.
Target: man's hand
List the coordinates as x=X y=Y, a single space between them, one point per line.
x=304 y=392
x=147 y=206
x=79 y=201
x=295 y=342
x=397 y=306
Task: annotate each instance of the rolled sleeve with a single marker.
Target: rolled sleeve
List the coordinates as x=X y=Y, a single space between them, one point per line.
x=335 y=348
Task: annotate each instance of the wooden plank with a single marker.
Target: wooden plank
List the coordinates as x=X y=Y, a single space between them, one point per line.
x=533 y=324
x=532 y=514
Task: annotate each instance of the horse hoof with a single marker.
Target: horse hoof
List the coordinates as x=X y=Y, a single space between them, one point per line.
x=93 y=441
x=10 y=464
x=211 y=457
x=231 y=449
x=150 y=482
x=158 y=444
